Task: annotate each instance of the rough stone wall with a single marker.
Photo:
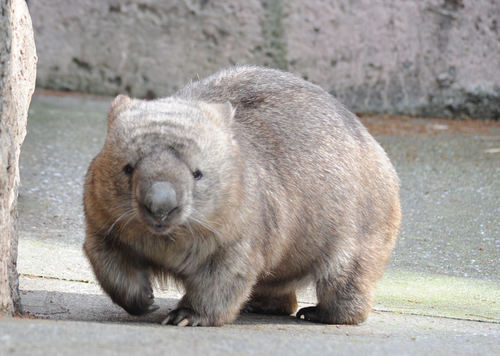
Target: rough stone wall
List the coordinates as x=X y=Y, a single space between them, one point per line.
x=428 y=57
x=420 y=57
x=17 y=82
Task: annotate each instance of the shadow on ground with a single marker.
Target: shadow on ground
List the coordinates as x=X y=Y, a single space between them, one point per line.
x=54 y=305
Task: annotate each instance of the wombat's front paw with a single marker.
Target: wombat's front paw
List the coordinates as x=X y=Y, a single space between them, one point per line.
x=138 y=300
x=185 y=317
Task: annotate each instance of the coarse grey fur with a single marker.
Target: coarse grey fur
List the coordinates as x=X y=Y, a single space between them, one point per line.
x=270 y=184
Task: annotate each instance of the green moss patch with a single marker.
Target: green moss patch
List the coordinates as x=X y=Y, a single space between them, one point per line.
x=438 y=295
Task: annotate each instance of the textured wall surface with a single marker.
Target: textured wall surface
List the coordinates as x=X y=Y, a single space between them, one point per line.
x=426 y=57
x=17 y=82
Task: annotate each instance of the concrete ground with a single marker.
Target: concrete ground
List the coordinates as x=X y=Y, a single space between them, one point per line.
x=440 y=294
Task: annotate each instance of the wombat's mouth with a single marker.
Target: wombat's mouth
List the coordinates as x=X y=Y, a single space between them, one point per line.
x=160 y=224
x=159 y=229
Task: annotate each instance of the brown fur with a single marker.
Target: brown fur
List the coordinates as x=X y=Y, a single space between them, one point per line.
x=275 y=185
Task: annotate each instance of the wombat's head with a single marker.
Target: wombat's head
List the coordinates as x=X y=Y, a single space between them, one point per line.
x=165 y=163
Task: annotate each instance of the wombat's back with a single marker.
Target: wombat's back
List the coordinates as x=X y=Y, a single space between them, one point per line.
x=281 y=115
x=294 y=128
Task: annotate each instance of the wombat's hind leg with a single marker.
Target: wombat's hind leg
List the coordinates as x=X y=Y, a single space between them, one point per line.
x=284 y=304
x=341 y=302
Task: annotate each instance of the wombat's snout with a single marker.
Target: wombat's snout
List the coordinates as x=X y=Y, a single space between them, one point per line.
x=160 y=200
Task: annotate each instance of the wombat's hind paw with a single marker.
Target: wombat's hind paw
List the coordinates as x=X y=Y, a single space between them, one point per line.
x=318 y=315
x=183 y=317
x=310 y=314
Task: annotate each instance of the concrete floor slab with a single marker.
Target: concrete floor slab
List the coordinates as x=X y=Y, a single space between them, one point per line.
x=445 y=265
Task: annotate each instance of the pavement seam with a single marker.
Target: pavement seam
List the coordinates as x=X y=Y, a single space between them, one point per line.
x=54 y=278
x=434 y=316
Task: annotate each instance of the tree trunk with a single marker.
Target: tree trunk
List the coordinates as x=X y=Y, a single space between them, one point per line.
x=17 y=82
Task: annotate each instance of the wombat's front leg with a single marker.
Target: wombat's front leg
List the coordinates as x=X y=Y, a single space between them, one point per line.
x=121 y=276
x=214 y=295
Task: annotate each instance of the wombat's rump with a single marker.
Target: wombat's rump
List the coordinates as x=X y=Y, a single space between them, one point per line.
x=243 y=186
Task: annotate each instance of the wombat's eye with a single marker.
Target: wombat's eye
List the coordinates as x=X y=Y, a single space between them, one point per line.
x=128 y=169
x=197 y=174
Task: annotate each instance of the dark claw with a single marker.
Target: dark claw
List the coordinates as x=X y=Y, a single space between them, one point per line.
x=182 y=317
x=309 y=314
x=318 y=315
x=178 y=318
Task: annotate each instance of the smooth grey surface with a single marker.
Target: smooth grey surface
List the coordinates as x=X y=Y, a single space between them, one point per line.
x=64 y=134
x=83 y=321
x=383 y=334
x=450 y=191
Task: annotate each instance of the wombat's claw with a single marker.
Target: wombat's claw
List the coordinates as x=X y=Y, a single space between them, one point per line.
x=310 y=314
x=182 y=317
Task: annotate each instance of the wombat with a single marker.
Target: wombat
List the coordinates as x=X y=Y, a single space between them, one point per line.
x=243 y=187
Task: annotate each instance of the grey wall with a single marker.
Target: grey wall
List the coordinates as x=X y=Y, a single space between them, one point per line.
x=421 y=57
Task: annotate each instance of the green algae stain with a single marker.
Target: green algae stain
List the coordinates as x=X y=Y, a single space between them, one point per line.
x=439 y=295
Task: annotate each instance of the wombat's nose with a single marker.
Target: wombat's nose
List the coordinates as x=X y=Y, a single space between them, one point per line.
x=161 y=200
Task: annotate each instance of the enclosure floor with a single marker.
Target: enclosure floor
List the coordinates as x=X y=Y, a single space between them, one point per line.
x=440 y=294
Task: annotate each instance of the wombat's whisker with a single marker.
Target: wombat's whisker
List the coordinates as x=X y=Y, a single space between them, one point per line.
x=117 y=208
x=132 y=215
x=190 y=229
x=205 y=224
x=126 y=214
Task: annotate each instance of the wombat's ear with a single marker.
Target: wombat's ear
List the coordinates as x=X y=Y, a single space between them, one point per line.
x=121 y=103
x=220 y=113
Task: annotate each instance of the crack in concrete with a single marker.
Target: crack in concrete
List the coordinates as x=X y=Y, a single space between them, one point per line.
x=29 y=275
